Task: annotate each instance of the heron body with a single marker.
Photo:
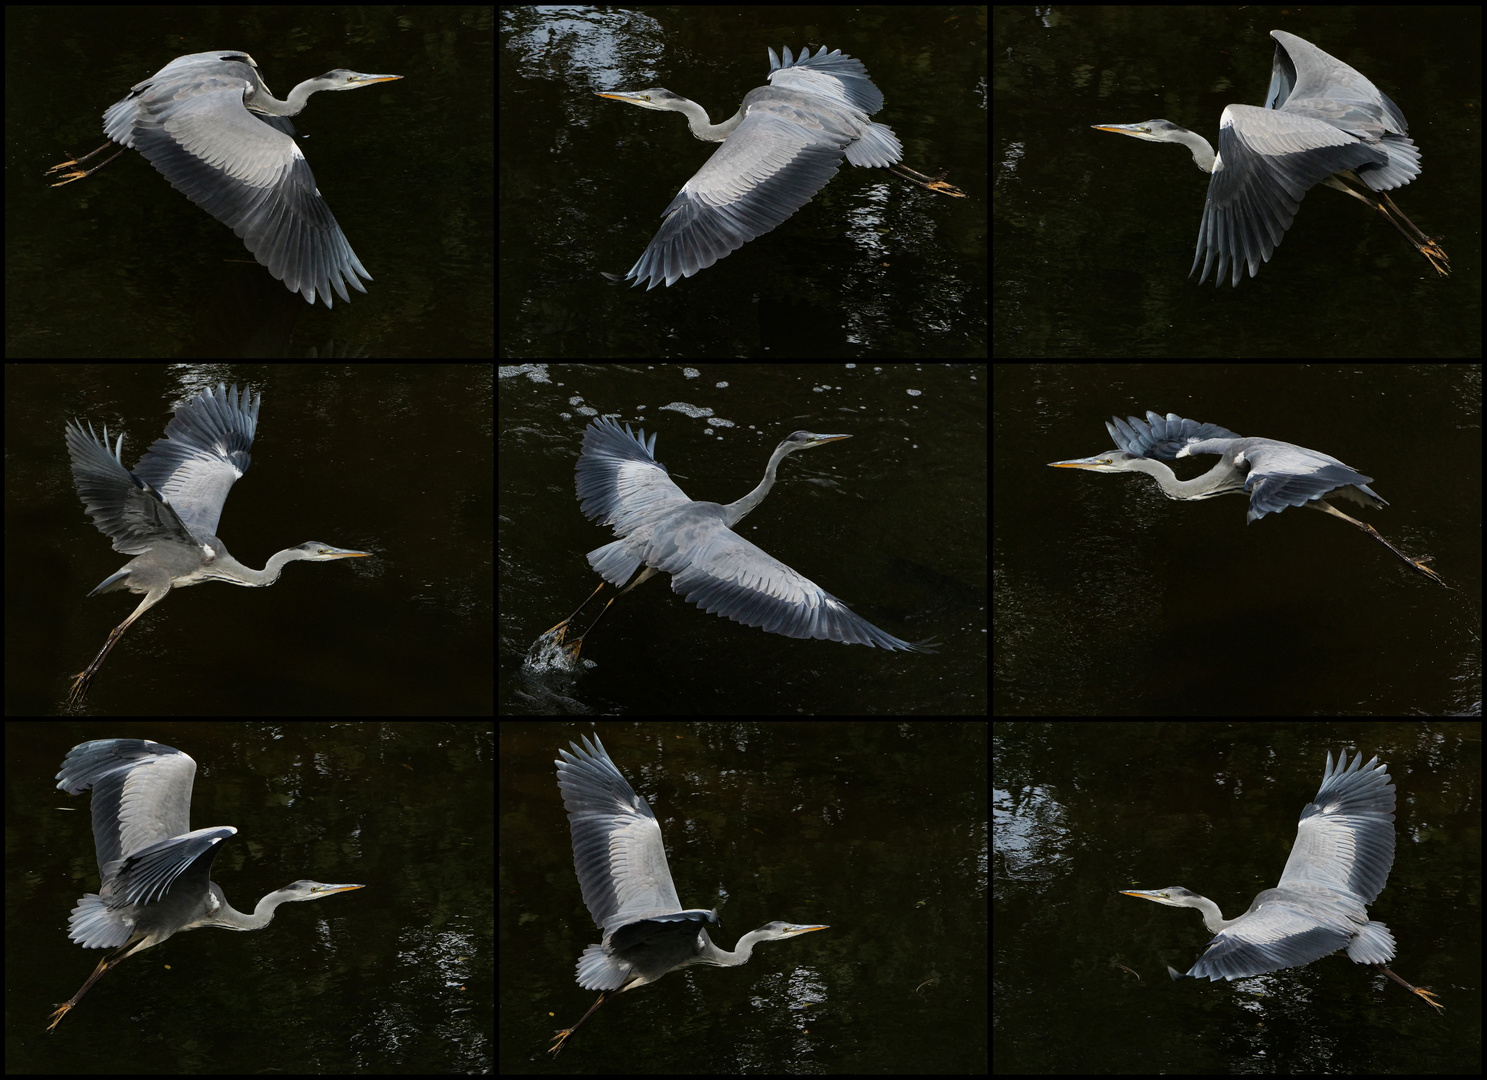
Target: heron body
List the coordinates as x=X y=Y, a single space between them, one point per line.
x=153 y=867
x=210 y=125
x=1338 y=865
x=626 y=883
x=1275 y=475
x=661 y=530
x=1322 y=123
x=165 y=512
x=781 y=147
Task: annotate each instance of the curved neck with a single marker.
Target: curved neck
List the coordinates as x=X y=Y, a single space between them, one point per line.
x=697 y=120
x=1219 y=480
x=226 y=568
x=711 y=954
x=733 y=512
x=265 y=102
x=1213 y=918
x=229 y=918
x=1203 y=155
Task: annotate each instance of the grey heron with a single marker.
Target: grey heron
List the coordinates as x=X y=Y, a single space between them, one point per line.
x=781 y=147
x=620 y=483
x=1338 y=865
x=210 y=126
x=165 y=512
x=154 y=869
x=626 y=884
x=1276 y=474
x=1322 y=123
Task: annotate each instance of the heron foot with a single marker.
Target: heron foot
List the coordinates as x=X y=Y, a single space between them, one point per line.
x=1425 y=995
x=80 y=683
x=1416 y=561
x=1419 y=564
x=1429 y=999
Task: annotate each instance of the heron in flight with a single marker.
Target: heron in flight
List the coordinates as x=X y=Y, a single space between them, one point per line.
x=211 y=126
x=1322 y=123
x=165 y=512
x=154 y=870
x=627 y=887
x=782 y=146
x=1276 y=474
x=620 y=483
x=1338 y=865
